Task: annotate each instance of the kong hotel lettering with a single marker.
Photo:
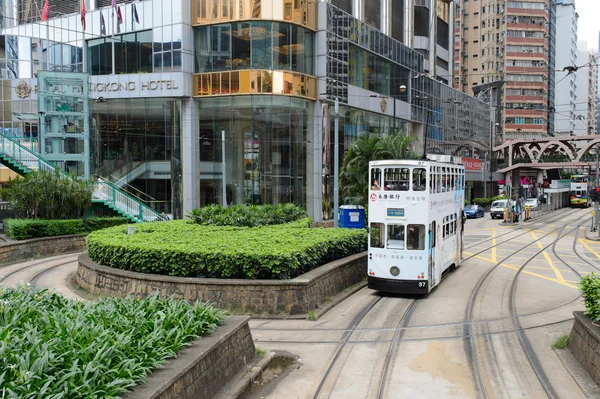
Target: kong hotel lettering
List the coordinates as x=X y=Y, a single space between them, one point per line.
x=132 y=86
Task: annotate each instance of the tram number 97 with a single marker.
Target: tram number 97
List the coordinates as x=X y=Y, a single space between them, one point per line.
x=422 y=284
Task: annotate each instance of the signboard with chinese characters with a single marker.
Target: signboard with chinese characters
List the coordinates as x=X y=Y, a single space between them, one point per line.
x=395 y=212
x=471 y=163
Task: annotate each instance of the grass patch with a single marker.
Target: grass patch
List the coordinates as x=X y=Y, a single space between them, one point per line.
x=180 y=248
x=52 y=347
x=328 y=299
x=260 y=352
x=311 y=315
x=561 y=342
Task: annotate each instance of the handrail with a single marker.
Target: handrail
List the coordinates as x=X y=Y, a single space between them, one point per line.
x=130 y=186
x=139 y=211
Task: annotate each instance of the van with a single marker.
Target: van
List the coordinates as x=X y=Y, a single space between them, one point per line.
x=497 y=209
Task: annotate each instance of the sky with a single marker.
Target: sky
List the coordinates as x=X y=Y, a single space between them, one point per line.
x=589 y=13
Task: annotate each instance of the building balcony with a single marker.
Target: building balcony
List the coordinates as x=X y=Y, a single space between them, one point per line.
x=255 y=82
x=528 y=12
x=532 y=41
x=527 y=85
x=525 y=98
x=525 y=113
x=527 y=70
x=529 y=128
x=529 y=26
x=519 y=55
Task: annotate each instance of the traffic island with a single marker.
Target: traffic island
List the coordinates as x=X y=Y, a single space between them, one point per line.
x=278 y=270
x=584 y=342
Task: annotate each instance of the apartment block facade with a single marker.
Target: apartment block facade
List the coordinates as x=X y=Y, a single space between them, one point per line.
x=509 y=41
x=587 y=90
x=566 y=55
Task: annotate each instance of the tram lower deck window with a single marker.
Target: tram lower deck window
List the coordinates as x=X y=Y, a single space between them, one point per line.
x=376 y=235
x=395 y=236
x=415 y=234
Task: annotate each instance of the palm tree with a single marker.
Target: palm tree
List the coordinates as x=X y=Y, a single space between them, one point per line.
x=354 y=174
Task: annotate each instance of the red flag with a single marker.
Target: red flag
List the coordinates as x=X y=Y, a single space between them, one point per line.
x=119 y=15
x=83 y=12
x=45 y=11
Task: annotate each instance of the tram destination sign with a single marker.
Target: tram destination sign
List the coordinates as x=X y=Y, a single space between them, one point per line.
x=395 y=212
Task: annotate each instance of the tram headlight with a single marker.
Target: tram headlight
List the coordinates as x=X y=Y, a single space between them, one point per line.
x=395 y=271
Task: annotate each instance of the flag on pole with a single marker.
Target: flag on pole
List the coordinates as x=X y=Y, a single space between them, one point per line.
x=45 y=11
x=114 y=6
x=134 y=16
x=102 y=25
x=83 y=12
x=119 y=19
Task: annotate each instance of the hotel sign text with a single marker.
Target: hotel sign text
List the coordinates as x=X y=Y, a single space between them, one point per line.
x=133 y=86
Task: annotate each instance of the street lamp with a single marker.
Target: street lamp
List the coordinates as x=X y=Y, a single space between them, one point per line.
x=423 y=100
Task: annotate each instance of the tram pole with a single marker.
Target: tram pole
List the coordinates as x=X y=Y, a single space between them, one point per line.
x=336 y=166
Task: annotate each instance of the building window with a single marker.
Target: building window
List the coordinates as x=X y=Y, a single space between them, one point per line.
x=421 y=21
x=133 y=52
x=100 y=56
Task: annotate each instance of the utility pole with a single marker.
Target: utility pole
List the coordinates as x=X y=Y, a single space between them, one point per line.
x=483 y=175
x=596 y=201
x=223 y=175
x=336 y=166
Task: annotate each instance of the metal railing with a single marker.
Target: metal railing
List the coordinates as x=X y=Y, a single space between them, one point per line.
x=109 y=193
x=103 y=189
x=26 y=157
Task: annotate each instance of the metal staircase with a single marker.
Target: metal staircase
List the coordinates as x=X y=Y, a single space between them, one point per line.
x=23 y=161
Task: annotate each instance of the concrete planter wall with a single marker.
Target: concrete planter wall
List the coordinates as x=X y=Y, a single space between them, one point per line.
x=203 y=369
x=269 y=297
x=584 y=343
x=17 y=251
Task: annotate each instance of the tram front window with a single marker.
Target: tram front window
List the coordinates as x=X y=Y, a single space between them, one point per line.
x=395 y=236
x=418 y=179
x=376 y=233
x=396 y=179
x=415 y=237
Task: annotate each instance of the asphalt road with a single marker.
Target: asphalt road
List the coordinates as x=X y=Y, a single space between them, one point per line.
x=485 y=332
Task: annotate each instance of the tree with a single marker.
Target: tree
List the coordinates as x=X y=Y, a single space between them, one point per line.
x=48 y=195
x=354 y=174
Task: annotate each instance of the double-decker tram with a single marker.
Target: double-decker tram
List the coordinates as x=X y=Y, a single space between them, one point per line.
x=579 y=195
x=415 y=223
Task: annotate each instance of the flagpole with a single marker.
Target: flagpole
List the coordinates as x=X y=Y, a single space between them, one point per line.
x=48 y=44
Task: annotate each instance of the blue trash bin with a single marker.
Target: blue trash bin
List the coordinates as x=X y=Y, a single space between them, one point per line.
x=352 y=217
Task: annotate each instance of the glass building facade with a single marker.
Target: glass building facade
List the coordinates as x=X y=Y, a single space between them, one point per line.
x=165 y=86
x=266 y=144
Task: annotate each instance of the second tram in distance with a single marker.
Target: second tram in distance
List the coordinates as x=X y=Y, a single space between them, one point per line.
x=415 y=223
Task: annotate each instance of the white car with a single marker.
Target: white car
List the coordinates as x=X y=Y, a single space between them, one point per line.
x=532 y=203
x=497 y=209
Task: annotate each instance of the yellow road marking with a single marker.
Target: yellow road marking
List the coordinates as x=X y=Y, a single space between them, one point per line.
x=516 y=268
x=494 y=245
x=590 y=248
x=548 y=259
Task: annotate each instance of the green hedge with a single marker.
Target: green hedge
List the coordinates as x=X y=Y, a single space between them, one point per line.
x=180 y=248
x=482 y=201
x=590 y=287
x=247 y=216
x=53 y=347
x=21 y=229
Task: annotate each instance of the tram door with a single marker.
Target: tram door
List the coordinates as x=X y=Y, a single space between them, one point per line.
x=431 y=257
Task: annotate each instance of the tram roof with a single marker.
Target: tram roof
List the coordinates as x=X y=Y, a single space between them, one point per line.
x=431 y=160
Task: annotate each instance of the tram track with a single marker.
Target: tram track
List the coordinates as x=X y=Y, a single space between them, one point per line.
x=469 y=326
x=346 y=340
x=3 y=277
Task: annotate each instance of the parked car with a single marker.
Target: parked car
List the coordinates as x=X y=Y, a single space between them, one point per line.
x=532 y=203
x=474 y=211
x=497 y=209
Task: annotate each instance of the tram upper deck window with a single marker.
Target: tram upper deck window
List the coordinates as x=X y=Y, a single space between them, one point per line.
x=375 y=179
x=376 y=232
x=395 y=236
x=415 y=237
x=419 y=179
x=396 y=179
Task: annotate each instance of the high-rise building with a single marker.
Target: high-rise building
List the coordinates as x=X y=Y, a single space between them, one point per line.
x=586 y=90
x=510 y=41
x=565 y=56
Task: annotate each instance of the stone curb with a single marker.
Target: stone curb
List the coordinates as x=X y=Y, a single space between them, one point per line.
x=183 y=373
x=591 y=235
x=243 y=380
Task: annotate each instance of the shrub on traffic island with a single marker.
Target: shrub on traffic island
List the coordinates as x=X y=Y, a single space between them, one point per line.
x=181 y=248
x=22 y=229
